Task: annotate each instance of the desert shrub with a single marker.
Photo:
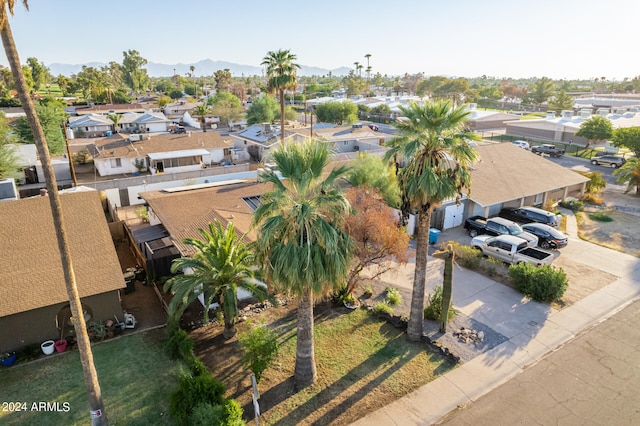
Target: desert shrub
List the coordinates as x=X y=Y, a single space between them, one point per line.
x=596 y=182
x=192 y=391
x=382 y=308
x=394 y=298
x=490 y=265
x=468 y=256
x=260 y=346
x=434 y=306
x=592 y=199
x=544 y=284
x=600 y=217
x=573 y=205
x=82 y=157
x=229 y=414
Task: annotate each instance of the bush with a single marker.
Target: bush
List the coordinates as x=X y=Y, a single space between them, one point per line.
x=229 y=414
x=433 y=310
x=382 y=308
x=573 y=205
x=260 y=346
x=600 y=217
x=544 y=284
x=193 y=391
x=394 y=298
x=178 y=344
x=468 y=256
x=592 y=199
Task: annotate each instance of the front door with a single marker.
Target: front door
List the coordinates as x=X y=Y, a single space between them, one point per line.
x=160 y=167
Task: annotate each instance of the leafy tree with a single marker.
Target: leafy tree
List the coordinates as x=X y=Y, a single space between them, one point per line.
x=227 y=107
x=220 y=265
x=354 y=84
x=381 y=109
x=164 y=86
x=431 y=85
x=629 y=173
x=300 y=241
x=265 y=109
x=94 y=394
x=433 y=142
x=133 y=72
x=164 y=101
x=281 y=76
x=373 y=171
x=39 y=72
x=491 y=92
x=561 y=102
x=260 y=347
x=595 y=129
x=223 y=80
x=337 y=112
x=51 y=115
x=8 y=157
x=628 y=137
x=175 y=94
x=542 y=90
x=202 y=111
x=377 y=236
x=63 y=83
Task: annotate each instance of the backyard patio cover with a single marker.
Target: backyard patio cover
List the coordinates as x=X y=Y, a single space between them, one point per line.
x=177 y=154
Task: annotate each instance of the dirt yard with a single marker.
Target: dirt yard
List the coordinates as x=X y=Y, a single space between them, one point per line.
x=623 y=233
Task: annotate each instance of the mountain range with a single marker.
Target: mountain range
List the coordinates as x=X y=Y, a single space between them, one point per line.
x=202 y=68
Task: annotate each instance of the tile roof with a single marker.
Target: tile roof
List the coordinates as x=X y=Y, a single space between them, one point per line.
x=30 y=262
x=183 y=213
x=118 y=145
x=506 y=172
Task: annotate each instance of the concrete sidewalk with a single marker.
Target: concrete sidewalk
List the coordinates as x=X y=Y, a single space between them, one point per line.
x=532 y=329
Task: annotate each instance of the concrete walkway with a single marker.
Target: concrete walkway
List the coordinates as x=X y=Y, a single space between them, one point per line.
x=533 y=330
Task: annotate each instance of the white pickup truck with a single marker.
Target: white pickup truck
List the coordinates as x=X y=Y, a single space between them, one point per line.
x=511 y=249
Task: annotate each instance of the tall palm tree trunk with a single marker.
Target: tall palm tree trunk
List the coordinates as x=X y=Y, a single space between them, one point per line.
x=282 y=116
x=416 y=315
x=98 y=415
x=305 y=370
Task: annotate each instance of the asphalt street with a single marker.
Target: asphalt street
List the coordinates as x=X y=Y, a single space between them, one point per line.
x=592 y=380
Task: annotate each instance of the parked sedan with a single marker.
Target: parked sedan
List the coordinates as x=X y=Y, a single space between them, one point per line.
x=608 y=160
x=548 y=237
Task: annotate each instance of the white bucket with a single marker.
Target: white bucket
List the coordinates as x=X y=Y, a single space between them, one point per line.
x=47 y=347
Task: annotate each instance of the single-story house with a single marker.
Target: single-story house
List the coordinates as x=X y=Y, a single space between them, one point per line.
x=346 y=139
x=259 y=138
x=175 y=111
x=148 y=122
x=31 y=166
x=33 y=293
x=182 y=211
x=122 y=154
x=563 y=128
x=479 y=120
x=508 y=176
x=90 y=126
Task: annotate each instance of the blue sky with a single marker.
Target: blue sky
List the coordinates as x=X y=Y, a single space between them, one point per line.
x=555 y=38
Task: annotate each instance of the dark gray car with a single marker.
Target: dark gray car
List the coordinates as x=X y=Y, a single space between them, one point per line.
x=608 y=160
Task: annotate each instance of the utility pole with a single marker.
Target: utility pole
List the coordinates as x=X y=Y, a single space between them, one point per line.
x=71 y=168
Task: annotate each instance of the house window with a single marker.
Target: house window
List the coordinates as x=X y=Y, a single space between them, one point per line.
x=116 y=162
x=538 y=199
x=86 y=129
x=227 y=151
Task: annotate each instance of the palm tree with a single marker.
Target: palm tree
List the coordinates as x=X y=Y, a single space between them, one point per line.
x=195 y=88
x=116 y=119
x=300 y=240
x=202 y=111
x=281 y=75
x=94 y=393
x=629 y=173
x=433 y=143
x=222 y=264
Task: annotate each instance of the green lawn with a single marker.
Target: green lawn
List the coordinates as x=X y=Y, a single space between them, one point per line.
x=363 y=364
x=135 y=375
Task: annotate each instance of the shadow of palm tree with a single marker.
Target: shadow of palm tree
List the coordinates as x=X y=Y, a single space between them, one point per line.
x=390 y=358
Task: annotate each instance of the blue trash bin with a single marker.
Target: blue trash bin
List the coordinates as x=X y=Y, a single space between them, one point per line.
x=433 y=235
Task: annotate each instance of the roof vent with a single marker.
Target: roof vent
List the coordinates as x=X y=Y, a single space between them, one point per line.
x=551 y=114
x=566 y=114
